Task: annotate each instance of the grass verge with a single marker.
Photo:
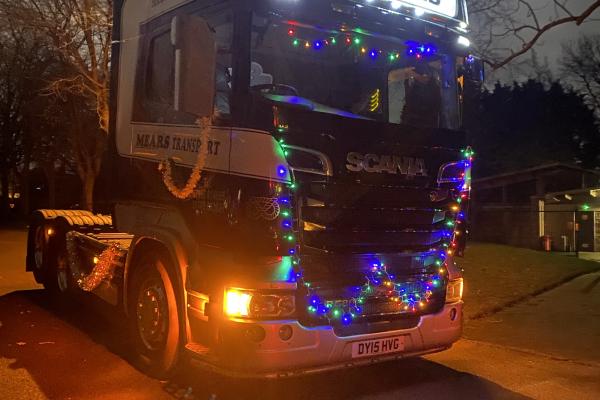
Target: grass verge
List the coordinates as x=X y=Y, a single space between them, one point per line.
x=498 y=276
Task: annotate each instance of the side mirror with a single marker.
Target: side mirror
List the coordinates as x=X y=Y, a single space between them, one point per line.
x=474 y=72
x=195 y=60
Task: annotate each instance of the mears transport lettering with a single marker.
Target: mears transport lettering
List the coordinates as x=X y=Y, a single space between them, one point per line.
x=153 y=141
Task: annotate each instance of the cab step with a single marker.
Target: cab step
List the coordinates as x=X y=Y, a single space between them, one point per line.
x=198 y=349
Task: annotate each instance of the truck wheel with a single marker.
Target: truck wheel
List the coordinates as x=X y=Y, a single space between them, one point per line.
x=153 y=316
x=51 y=266
x=61 y=271
x=40 y=253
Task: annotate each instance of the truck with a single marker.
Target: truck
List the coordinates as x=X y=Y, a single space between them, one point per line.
x=290 y=185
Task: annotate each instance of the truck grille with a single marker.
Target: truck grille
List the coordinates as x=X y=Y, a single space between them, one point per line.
x=355 y=218
x=347 y=225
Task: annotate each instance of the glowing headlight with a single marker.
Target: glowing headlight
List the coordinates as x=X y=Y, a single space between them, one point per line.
x=237 y=303
x=249 y=304
x=454 y=292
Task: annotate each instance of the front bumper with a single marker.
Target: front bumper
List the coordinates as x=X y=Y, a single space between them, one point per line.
x=318 y=349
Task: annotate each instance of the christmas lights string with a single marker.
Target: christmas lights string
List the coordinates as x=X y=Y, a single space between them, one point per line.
x=408 y=296
x=412 y=48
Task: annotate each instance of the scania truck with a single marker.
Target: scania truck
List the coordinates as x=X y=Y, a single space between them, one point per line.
x=290 y=184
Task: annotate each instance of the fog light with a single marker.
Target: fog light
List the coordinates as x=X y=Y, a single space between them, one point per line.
x=453 y=313
x=255 y=333
x=285 y=333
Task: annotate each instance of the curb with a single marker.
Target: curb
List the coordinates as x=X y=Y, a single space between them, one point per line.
x=586 y=363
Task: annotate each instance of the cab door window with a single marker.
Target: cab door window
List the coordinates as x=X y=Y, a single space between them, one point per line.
x=160 y=84
x=170 y=83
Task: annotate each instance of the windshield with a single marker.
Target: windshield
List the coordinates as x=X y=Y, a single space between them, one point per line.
x=355 y=75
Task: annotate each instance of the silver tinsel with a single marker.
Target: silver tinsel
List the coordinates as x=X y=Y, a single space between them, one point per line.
x=103 y=270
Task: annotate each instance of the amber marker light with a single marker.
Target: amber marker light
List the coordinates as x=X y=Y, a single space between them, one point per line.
x=454 y=291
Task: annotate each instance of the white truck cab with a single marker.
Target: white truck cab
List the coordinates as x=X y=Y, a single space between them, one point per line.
x=291 y=184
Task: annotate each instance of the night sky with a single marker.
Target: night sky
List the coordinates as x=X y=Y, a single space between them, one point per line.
x=550 y=45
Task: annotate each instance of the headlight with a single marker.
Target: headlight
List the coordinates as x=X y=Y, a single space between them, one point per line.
x=454 y=291
x=237 y=303
x=250 y=304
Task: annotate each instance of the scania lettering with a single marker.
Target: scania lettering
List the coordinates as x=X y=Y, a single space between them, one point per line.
x=390 y=164
x=289 y=185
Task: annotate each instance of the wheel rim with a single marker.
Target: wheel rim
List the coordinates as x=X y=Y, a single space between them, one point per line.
x=62 y=273
x=152 y=314
x=39 y=244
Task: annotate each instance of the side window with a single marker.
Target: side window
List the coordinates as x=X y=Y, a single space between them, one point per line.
x=160 y=78
x=184 y=69
x=223 y=28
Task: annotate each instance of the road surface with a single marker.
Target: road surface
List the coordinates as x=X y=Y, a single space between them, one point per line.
x=79 y=352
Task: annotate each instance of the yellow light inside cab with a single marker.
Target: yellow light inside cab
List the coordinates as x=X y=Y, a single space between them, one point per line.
x=50 y=231
x=237 y=303
x=312 y=227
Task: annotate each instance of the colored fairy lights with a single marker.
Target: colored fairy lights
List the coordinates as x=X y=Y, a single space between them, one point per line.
x=399 y=294
x=408 y=295
x=412 y=49
x=284 y=202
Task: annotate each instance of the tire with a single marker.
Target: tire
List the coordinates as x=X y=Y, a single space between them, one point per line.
x=51 y=266
x=61 y=282
x=40 y=253
x=153 y=316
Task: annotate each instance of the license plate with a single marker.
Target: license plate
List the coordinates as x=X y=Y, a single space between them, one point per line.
x=376 y=347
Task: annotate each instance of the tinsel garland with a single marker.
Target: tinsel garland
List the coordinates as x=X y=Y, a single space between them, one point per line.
x=103 y=268
x=166 y=169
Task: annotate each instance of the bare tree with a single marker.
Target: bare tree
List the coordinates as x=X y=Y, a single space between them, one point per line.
x=79 y=32
x=24 y=61
x=581 y=66
x=499 y=24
